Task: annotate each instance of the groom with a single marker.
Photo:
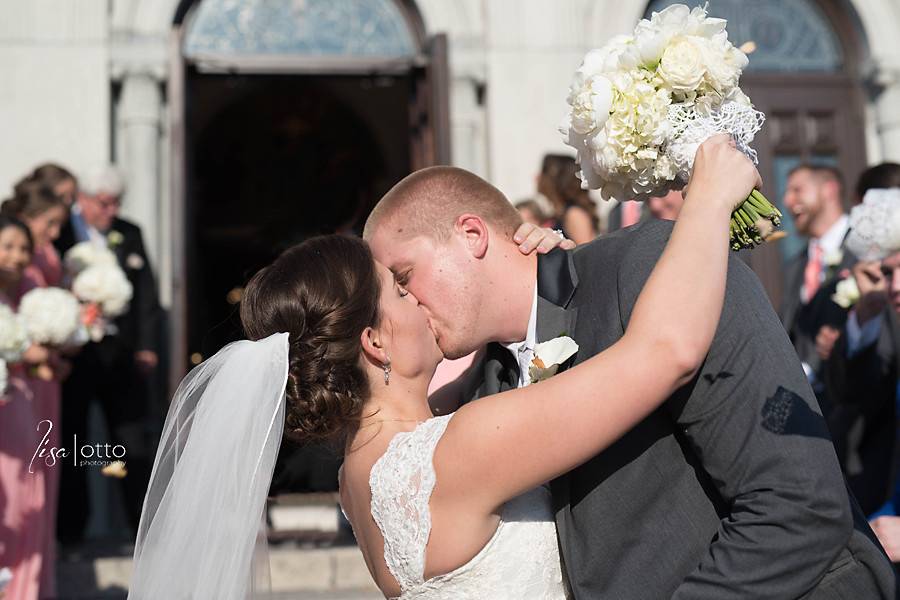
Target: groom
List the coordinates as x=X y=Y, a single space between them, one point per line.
x=730 y=490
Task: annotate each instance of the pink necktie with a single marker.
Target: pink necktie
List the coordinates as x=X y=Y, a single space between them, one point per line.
x=812 y=274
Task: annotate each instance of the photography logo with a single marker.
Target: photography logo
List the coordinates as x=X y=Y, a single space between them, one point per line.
x=84 y=455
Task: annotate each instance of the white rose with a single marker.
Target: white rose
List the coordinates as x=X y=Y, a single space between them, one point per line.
x=682 y=66
x=87 y=254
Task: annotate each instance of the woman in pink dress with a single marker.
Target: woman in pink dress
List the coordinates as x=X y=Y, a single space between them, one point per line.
x=38 y=206
x=26 y=520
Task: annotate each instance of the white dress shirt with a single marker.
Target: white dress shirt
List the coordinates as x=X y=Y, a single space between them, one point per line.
x=830 y=243
x=524 y=350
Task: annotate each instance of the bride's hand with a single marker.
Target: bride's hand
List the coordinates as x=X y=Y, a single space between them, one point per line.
x=530 y=237
x=723 y=176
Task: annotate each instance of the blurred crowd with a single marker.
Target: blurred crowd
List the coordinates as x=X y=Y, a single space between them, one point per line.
x=48 y=393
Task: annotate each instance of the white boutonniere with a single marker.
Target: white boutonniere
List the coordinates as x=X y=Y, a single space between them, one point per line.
x=846 y=294
x=135 y=262
x=548 y=356
x=114 y=238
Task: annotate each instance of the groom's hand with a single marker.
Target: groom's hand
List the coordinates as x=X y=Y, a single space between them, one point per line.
x=531 y=237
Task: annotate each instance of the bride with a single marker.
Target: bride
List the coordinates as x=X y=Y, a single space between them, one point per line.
x=442 y=507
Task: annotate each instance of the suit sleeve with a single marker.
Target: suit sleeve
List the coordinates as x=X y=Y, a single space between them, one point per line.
x=756 y=430
x=146 y=301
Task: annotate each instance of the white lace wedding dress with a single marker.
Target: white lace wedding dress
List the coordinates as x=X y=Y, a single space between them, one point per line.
x=520 y=561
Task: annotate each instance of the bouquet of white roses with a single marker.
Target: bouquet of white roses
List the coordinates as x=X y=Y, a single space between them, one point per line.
x=52 y=316
x=641 y=105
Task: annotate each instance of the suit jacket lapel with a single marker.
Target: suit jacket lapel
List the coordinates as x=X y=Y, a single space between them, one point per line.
x=557 y=282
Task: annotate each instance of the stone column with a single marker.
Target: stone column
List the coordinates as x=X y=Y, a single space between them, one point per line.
x=886 y=82
x=139 y=123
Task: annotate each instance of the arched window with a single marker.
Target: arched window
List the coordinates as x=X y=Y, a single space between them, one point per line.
x=804 y=75
x=789 y=36
x=317 y=28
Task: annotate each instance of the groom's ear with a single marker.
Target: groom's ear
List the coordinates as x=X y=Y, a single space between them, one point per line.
x=370 y=340
x=474 y=232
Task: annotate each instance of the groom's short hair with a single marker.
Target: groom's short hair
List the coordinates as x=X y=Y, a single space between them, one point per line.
x=430 y=200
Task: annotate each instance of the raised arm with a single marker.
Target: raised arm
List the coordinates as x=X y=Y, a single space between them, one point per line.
x=503 y=445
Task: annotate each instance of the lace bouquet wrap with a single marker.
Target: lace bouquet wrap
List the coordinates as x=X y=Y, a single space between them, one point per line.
x=641 y=105
x=875 y=225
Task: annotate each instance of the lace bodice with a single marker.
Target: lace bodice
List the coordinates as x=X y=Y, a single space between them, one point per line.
x=521 y=560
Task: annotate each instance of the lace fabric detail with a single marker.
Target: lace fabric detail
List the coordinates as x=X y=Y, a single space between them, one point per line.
x=401 y=482
x=521 y=560
x=692 y=124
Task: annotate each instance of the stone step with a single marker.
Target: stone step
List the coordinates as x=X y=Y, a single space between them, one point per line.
x=310 y=573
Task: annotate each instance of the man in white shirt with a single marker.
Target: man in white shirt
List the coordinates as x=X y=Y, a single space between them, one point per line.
x=813 y=197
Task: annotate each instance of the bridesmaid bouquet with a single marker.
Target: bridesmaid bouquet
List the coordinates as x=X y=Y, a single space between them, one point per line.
x=100 y=284
x=52 y=317
x=640 y=106
x=13 y=342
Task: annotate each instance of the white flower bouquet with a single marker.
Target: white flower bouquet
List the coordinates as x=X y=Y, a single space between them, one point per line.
x=87 y=254
x=640 y=106
x=13 y=335
x=52 y=316
x=106 y=286
x=13 y=342
x=101 y=284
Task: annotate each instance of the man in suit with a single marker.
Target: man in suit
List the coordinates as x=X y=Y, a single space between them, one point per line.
x=730 y=490
x=115 y=370
x=813 y=198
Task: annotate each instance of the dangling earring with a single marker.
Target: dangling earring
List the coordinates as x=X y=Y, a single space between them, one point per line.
x=387 y=373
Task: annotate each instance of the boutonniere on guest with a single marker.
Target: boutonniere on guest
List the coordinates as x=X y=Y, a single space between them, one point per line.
x=134 y=262
x=114 y=238
x=548 y=356
x=832 y=260
x=846 y=293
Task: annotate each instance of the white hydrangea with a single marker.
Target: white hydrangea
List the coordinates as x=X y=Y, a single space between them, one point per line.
x=106 y=286
x=87 y=254
x=13 y=336
x=51 y=315
x=620 y=120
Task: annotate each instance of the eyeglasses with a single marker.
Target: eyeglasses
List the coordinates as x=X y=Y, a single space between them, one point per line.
x=106 y=202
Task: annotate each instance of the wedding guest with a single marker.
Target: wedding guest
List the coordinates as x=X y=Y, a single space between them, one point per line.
x=58 y=178
x=115 y=370
x=575 y=212
x=862 y=371
x=36 y=205
x=813 y=199
x=26 y=516
x=881 y=176
x=531 y=212
x=666 y=207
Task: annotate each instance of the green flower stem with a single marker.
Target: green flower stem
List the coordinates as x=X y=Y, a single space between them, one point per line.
x=744 y=229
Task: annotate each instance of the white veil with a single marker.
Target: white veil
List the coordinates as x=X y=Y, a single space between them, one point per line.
x=199 y=536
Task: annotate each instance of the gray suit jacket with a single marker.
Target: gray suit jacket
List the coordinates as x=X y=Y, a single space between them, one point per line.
x=732 y=488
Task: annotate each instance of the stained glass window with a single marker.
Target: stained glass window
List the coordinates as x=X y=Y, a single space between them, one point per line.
x=790 y=35
x=327 y=28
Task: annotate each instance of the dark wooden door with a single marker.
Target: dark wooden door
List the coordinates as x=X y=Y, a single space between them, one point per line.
x=809 y=118
x=429 y=111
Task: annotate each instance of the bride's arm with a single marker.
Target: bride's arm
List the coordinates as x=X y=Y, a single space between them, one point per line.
x=503 y=445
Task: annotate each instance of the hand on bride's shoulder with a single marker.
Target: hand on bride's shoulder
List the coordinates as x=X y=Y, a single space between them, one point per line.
x=722 y=173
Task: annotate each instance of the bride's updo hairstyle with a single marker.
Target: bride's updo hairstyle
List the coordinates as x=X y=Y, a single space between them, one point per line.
x=324 y=293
